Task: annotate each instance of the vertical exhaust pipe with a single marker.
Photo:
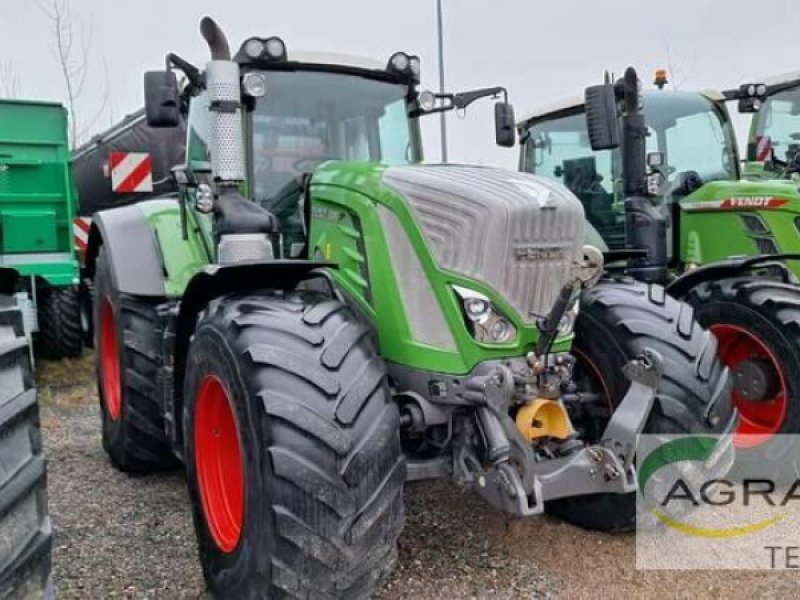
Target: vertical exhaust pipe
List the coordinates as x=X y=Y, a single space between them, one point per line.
x=224 y=95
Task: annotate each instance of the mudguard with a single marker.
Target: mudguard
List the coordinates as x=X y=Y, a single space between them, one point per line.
x=725 y=270
x=132 y=248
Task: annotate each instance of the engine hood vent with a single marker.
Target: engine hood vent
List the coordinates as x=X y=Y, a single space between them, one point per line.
x=519 y=233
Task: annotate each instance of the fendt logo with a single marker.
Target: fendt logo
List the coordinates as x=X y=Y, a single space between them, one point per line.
x=524 y=253
x=684 y=494
x=754 y=202
x=737 y=203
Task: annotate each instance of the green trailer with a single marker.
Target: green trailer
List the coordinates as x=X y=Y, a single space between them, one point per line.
x=37 y=208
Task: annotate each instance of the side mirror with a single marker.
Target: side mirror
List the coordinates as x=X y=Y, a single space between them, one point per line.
x=505 y=125
x=161 y=99
x=602 y=120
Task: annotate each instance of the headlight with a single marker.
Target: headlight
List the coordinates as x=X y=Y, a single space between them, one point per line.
x=254 y=48
x=254 y=84
x=399 y=61
x=567 y=324
x=415 y=66
x=484 y=321
x=276 y=48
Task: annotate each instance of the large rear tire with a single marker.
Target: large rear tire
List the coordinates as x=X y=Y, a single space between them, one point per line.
x=758 y=324
x=59 y=312
x=127 y=343
x=292 y=450
x=25 y=538
x=617 y=322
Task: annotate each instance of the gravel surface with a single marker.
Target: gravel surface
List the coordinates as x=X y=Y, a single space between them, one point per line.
x=132 y=537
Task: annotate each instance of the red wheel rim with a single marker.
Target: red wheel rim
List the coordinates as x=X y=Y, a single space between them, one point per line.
x=758 y=421
x=218 y=458
x=109 y=361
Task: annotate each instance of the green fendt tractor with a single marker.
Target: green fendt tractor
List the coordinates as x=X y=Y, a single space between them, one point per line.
x=663 y=193
x=37 y=207
x=316 y=319
x=25 y=536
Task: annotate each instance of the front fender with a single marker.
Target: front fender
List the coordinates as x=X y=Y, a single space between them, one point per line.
x=132 y=249
x=725 y=270
x=145 y=243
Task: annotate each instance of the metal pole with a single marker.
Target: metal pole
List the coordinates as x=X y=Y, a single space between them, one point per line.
x=440 y=28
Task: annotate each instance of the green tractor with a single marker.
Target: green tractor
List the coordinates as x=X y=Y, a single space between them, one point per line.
x=316 y=319
x=37 y=208
x=664 y=197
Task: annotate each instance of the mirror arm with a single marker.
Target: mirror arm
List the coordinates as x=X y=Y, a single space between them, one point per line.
x=192 y=73
x=464 y=100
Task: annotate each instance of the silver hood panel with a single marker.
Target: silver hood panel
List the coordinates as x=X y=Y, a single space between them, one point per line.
x=519 y=233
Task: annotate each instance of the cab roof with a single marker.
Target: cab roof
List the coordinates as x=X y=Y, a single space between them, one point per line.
x=575 y=105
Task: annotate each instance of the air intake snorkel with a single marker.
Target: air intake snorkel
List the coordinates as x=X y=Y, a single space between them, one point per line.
x=224 y=95
x=242 y=228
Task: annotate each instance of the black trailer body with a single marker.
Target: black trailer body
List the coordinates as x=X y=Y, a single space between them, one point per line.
x=165 y=148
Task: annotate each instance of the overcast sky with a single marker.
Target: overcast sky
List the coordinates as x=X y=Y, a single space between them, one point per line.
x=542 y=50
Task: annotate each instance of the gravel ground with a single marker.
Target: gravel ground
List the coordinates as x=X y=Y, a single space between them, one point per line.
x=132 y=537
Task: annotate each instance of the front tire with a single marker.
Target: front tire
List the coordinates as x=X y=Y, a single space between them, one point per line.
x=292 y=448
x=127 y=345
x=25 y=536
x=59 y=313
x=618 y=320
x=757 y=321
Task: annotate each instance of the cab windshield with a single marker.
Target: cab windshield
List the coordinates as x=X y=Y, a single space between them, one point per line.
x=777 y=127
x=692 y=132
x=309 y=117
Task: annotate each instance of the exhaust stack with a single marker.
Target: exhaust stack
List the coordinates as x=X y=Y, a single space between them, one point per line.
x=224 y=95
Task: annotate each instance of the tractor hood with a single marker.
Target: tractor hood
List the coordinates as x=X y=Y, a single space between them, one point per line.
x=519 y=234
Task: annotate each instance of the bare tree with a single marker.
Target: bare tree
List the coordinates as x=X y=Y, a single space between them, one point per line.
x=9 y=82
x=72 y=42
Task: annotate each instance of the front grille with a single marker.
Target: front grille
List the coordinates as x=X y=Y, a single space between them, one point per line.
x=518 y=233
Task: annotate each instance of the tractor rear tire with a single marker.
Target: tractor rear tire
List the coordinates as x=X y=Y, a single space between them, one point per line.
x=25 y=536
x=59 y=312
x=618 y=320
x=758 y=318
x=292 y=450
x=127 y=342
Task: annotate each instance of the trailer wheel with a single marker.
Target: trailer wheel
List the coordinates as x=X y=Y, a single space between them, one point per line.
x=618 y=320
x=59 y=312
x=757 y=322
x=128 y=352
x=292 y=450
x=25 y=538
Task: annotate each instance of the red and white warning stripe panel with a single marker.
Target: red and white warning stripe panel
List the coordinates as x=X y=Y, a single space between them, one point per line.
x=131 y=172
x=763 y=147
x=80 y=232
x=744 y=203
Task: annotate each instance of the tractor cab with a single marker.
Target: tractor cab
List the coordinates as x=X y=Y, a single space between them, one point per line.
x=690 y=142
x=294 y=112
x=774 y=141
